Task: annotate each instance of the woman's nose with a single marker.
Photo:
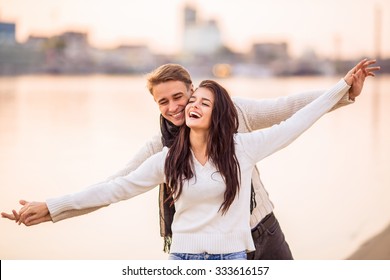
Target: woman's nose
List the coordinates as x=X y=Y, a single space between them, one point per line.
x=194 y=105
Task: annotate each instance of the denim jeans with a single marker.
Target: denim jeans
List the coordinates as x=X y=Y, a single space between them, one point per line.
x=206 y=256
x=269 y=241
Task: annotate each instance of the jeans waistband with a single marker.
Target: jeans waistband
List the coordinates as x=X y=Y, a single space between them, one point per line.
x=241 y=255
x=264 y=224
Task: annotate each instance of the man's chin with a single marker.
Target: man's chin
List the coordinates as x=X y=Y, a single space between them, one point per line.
x=177 y=122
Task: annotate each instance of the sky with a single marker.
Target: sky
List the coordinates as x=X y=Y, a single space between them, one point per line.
x=344 y=28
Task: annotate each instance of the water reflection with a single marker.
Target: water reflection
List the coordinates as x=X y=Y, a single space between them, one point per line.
x=376 y=106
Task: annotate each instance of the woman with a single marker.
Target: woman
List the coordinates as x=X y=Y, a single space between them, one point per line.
x=207 y=171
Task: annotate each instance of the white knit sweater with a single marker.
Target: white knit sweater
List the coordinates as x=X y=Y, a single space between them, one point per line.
x=253 y=115
x=198 y=226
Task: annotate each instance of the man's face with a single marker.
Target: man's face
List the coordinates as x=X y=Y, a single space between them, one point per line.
x=172 y=98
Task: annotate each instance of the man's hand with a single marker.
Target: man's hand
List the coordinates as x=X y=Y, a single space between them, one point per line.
x=357 y=75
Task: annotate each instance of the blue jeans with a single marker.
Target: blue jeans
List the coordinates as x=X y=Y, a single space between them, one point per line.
x=205 y=256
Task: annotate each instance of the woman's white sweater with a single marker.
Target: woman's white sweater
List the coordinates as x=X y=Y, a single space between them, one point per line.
x=198 y=226
x=253 y=114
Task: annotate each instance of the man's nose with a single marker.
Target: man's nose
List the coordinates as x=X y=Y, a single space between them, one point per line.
x=173 y=106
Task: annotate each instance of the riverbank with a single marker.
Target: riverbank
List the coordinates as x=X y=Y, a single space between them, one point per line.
x=376 y=248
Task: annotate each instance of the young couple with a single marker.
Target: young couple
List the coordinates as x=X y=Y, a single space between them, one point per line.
x=212 y=202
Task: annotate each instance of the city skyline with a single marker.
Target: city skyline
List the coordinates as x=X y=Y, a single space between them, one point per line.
x=343 y=28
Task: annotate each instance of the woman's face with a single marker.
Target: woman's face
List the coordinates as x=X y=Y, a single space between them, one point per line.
x=199 y=109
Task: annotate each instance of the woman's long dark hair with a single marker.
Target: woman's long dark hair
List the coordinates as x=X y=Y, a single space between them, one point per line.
x=220 y=148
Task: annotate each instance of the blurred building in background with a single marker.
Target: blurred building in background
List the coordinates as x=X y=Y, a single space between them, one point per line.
x=7 y=33
x=200 y=37
x=203 y=53
x=17 y=58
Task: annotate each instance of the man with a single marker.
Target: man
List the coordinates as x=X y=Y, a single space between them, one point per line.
x=171 y=86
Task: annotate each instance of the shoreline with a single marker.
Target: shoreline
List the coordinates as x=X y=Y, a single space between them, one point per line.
x=375 y=248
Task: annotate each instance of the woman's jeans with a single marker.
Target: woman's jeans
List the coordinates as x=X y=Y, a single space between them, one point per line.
x=206 y=256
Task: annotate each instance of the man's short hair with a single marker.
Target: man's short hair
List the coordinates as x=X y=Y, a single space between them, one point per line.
x=166 y=73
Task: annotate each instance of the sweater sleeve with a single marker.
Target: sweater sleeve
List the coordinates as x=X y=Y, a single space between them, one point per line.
x=150 y=148
x=263 y=113
x=149 y=174
x=262 y=143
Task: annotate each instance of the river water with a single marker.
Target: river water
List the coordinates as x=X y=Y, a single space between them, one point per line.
x=331 y=187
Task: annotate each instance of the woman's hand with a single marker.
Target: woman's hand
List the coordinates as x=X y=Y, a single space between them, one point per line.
x=31 y=213
x=356 y=76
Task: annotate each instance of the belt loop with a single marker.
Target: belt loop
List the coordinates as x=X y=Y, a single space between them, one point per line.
x=263 y=225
